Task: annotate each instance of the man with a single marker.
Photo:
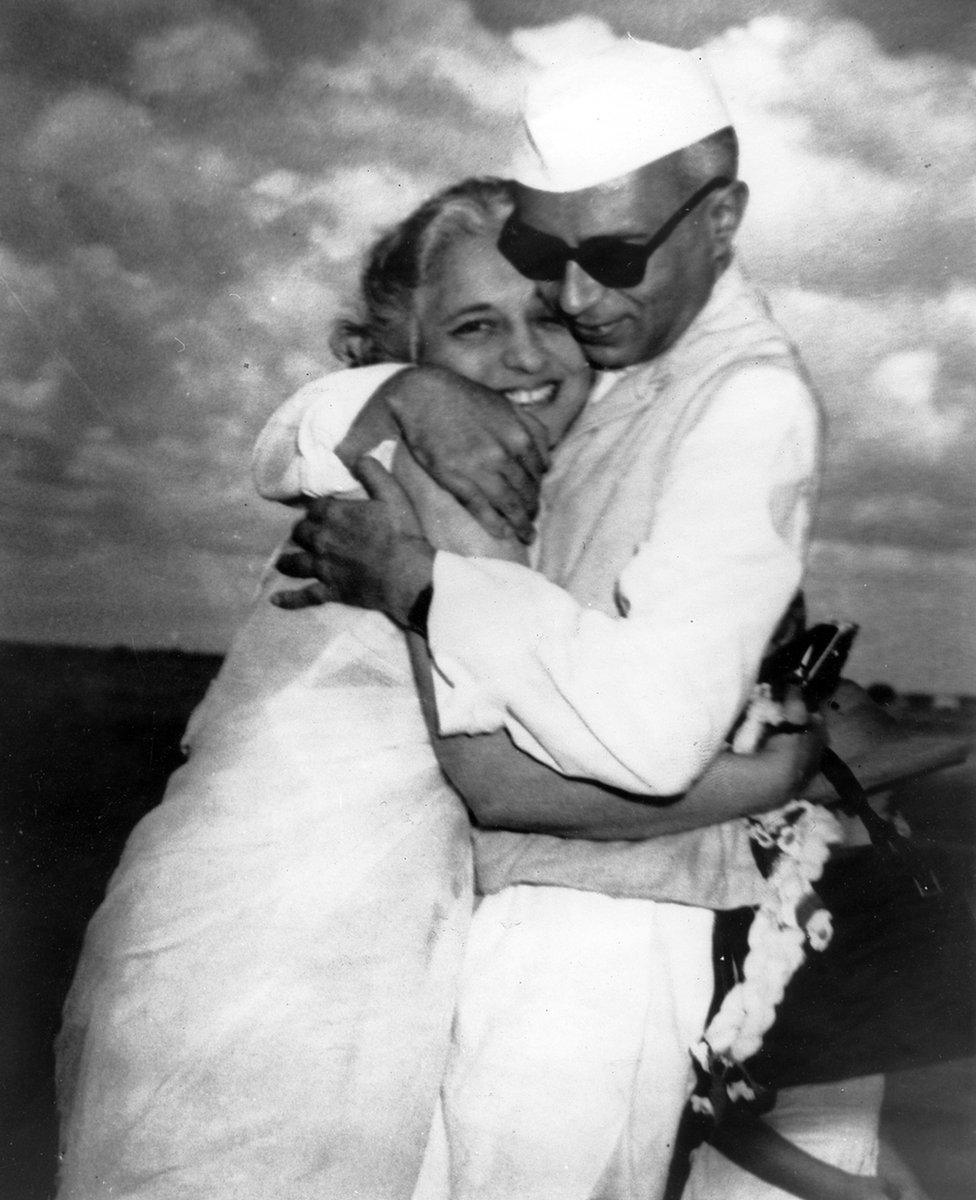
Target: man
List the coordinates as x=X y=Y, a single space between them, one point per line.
x=673 y=530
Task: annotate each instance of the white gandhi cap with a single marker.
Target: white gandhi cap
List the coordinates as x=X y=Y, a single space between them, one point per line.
x=597 y=116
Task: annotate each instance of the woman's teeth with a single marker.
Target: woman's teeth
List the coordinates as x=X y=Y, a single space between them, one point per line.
x=537 y=395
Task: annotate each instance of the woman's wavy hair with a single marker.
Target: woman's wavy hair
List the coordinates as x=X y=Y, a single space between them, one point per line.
x=385 y=329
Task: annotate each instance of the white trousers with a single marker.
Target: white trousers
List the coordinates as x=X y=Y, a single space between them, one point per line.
x=570 y=1063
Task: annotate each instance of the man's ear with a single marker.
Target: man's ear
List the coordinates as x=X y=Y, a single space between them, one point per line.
x=725 y=215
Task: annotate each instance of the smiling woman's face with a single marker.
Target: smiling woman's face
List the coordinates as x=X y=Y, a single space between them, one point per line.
x=479 y=317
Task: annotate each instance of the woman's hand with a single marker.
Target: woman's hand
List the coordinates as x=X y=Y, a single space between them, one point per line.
x=804 y=748
x=766 y=779
x=778 y=746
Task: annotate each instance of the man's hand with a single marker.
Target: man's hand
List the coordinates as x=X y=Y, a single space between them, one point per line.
x=367 y=553
x=475 y=444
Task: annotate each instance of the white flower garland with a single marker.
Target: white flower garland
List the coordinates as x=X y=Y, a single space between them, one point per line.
x=790 y=915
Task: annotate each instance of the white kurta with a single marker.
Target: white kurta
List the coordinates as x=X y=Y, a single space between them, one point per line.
x=263 y=1002
x=672 y=538
x=682 y=500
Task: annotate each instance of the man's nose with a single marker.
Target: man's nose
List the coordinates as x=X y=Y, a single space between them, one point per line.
x=523 y=351
x=579 y=291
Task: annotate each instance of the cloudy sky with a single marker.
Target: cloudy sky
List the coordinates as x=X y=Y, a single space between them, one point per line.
x=184 y=187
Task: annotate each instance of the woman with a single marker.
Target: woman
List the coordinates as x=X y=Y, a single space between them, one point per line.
x=263 y=1002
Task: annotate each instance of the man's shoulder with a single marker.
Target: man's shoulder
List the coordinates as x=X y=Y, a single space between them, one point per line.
x=771 y=401
x=778 y=383
x=738 y=355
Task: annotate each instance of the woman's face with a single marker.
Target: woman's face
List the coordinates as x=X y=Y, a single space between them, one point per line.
x=478 y=316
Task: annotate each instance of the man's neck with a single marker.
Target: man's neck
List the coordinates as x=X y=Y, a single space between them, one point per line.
x=721 y=284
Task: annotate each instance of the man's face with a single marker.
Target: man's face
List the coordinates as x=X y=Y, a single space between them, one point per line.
x=622 y=326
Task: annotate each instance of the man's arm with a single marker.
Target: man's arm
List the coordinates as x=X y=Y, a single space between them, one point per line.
x=468 y=438
x=505 y=788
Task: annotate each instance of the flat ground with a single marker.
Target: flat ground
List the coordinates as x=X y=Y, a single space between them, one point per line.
x=87 y=740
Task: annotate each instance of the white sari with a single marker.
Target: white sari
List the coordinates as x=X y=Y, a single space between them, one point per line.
x=263 y=1002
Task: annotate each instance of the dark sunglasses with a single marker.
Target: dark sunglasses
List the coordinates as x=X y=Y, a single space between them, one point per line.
x=611 y=261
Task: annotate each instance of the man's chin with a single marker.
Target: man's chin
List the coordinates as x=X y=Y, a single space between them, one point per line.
x=608 y=357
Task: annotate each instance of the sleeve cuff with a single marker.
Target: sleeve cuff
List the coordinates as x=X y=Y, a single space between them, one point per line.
x=295 y=452
x=463 y=704
x=323 y=427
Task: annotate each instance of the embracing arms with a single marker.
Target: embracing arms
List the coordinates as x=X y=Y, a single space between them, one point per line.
x=523 y=794
x=504 y=788
x=467 y=438
x=640 y=703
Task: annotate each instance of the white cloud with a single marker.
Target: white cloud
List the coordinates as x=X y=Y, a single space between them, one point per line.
x=904 y=384
x=86 y=133
x=115 y=10
x=441 y=51
x=175 y=275
x=859 y=162
x=549 y=44
x=209 y=58
x=907 y=378
x=367 y=199
x=896 y=370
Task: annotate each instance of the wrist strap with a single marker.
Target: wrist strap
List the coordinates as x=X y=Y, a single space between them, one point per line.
x=420 y=610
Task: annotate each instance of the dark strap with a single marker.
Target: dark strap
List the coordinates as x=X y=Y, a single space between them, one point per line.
x=882 y=832
x=420 y=610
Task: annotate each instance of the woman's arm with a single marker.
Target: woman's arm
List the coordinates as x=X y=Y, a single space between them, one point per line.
x=504 y=788
x=445 y=524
